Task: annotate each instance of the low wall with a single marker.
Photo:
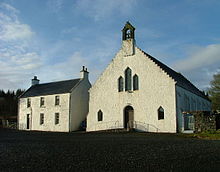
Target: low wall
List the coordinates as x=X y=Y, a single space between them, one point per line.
x=204 y=121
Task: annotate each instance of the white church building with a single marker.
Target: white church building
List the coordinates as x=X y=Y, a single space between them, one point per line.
x=138 y=91
x=55 y=106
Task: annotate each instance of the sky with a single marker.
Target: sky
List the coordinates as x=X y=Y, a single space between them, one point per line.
x=53 y=39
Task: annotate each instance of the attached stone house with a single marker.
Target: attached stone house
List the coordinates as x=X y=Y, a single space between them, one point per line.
x=138 y=91
x=55 y=106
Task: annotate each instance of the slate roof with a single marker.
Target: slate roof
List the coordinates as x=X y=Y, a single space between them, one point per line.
x=51 y=88
x=179 y=78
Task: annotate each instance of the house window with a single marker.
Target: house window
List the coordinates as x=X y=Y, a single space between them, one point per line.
x=135 y=82
x=57 y=100
x=28 y=121
x=120 y=84
x=41 y=118
x=100 y=115
x=128 y=79
x=57 y=118
x=42 y=101
x=28 y=102
x=160 y=113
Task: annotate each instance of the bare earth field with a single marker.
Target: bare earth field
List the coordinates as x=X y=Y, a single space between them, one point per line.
x=45 y=151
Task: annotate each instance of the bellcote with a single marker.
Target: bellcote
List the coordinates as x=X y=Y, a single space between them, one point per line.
x=128 y=39
x=128 y=31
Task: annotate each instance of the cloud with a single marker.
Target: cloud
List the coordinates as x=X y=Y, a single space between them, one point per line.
x=67 y=69
x=9 y=8
x=100 y=9
x=10 y=27
x=55 y=5
x=70 y=30
x=201 y=65
x=17 y=58
x=14 y=31
x=202 y=57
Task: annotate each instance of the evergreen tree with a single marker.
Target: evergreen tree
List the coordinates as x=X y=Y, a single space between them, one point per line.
x=9 y=102
x=214 y=92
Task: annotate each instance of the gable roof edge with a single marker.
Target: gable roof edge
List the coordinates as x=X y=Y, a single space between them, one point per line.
x=179 y=78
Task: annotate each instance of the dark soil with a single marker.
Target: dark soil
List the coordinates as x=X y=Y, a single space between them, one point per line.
x=45 y=151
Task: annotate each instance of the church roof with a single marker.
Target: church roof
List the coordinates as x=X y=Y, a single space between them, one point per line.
x=179 y=78
x=51 y=88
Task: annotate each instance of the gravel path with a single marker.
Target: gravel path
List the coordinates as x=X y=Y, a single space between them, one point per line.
x=44 y=151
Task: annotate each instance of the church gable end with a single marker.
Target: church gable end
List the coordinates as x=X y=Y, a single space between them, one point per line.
x=137 y=80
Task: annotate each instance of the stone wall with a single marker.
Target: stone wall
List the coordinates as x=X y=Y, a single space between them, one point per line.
x=204 y=121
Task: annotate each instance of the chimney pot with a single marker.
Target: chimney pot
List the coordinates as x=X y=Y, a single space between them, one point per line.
x=84 y=73
x=35 y=81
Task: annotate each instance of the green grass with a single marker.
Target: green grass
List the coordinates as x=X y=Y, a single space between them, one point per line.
x=211 y=135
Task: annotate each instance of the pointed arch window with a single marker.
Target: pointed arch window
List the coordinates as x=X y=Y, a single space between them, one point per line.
x=160 y=113
x=100 y=115
x=120 y=84
x=135 y=82
x=128 y=79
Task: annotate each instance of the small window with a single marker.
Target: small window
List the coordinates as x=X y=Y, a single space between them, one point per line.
x=57 y=100
x=28 y=121
x=128 y=79
x=100 y=115
x=57 y=118
x=42 y=101
x=135 y=82
x=120 y=84
x=160 y=113
x=41 y=118
x=28 y=102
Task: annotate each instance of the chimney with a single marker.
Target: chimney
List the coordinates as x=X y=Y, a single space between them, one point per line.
x=84 y=73
x=35 y=81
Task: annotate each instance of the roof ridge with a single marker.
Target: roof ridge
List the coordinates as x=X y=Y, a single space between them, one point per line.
x=58 y=81
x=58 y=87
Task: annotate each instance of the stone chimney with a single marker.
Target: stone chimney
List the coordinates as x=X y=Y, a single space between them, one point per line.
x=84 y=73
x=35 y=81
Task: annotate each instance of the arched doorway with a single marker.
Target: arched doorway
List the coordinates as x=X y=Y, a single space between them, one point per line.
x=128 y=117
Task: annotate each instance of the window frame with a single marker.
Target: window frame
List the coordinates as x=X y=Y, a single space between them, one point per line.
x=160 y=113
x=57 y=100
x=100 y=116
x=128 y=79
x=120 y=84
x=41 y=118
x=57 y=118
x=42 y=101
x=28 y=102
x=135 y=82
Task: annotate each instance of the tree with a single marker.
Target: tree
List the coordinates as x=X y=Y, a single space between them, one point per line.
x=214 y=92
x=9 y=102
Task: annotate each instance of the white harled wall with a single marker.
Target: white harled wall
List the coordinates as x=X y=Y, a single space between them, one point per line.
x=49 y=110
x=79 y=103
x=72 y=110
x=156 y=89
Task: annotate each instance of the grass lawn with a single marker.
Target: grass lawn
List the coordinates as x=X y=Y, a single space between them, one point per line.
x=210 y=135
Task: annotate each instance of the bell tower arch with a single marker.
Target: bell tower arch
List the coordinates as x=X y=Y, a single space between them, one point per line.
x=128 y=39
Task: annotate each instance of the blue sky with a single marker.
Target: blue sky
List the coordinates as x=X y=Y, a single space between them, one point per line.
x=53 y=39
